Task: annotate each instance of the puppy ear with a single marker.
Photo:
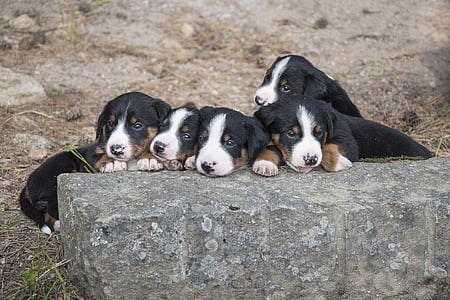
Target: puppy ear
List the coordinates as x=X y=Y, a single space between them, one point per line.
x=264 y=115
x=331 y=120
x=162 y=109
x=257 y=137
x=204 y=111
x=100 y=125
x=315 y=87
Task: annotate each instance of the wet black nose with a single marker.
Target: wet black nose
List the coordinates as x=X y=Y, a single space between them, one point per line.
x=258 y=100
x=208 y=166
x=159 y=147
x=116 y=149
x=310 y=160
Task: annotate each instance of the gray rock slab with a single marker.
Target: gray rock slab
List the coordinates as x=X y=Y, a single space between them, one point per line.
x=373 y=231
x=18 y=89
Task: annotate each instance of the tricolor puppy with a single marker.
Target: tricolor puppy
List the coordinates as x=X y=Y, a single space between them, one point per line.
x=38 y=199
x=177 y=137
x=308 y=133
x=295 y=75
x=125 y=130
x=228 y=140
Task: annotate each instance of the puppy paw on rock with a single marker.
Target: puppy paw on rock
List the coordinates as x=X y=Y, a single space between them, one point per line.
x=265 y=168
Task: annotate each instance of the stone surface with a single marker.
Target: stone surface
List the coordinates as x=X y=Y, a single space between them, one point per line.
x=18 y=89
x=373 y=231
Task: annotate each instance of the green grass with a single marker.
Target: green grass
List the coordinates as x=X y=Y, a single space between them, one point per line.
x=389 y=159
x=89 y=168
x=42 y=279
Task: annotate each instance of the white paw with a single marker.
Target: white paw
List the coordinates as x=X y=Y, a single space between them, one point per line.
x=45 y=229
x=343 y=163
x=190 y=163
x=57 y=226
x=265 y=168
x=149 y=164
x=114 y=166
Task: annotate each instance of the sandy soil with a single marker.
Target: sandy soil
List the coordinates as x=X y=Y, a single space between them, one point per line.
x=392 y=57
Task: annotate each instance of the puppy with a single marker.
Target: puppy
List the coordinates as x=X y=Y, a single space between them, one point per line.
x=295 y=75
x=38 y=199
x=176 y=141
x=228 y=140
x=125 y=130
x=308 y=133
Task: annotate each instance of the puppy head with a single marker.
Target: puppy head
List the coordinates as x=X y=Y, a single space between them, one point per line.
x=291 y=75
x=299 y=127
x=227 y=141
x=128 y=124
x=177 y=137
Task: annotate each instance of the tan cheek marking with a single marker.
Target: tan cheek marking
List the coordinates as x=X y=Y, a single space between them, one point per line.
x=287 y=153
x=242 y=160
x=185 y=155
x=144 y=147
x=330 y=156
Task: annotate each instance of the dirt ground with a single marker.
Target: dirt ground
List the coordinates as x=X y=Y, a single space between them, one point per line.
x=392 y=57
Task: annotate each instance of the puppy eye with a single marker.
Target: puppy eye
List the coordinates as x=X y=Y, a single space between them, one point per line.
x=230 y=143
x=285 y=88
x=290 y=134
x=110 y=123
x=187 y=136
x=319 y=133
x=137 y=126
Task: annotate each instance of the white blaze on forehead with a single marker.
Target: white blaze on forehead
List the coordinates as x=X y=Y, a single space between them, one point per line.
x=308 y=145
x=213 y=152
x=169 y=137
x=120 y=137
x=268 y=91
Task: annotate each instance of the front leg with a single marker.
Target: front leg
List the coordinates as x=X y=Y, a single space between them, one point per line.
x=267 y=162
x=333 y=159
x=108 y=165
x=148 y=162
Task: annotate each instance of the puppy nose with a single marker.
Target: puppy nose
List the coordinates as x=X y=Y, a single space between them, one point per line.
x=258 y=100
x=208 y=166
x=159 y=146
x=116 y=149
x=310 y=160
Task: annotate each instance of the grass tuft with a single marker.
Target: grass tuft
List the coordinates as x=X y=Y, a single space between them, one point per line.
x=89 y=168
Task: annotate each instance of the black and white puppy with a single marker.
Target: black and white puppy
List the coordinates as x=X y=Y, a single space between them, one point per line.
x=295 y=75
x=125 y=130
x=228 y=140
x=308 y=133
x=126 y=127
x=38 y=199
x=176 y=141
